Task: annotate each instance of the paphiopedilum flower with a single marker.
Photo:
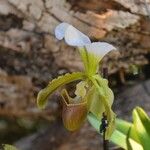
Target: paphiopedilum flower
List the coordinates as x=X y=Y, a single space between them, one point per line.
x=92 y=93
x=91 y=52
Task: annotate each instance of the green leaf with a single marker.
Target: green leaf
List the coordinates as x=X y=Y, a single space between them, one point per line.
x=132 y=140
x=142 y=126
x=124 y=126
x=121 y=135
x=137 y=134
x=125 y=140
x=128 y=134
x=129 y=145
x=94 y=121
x=8 y=147
x=54 y=84
x=117 y=137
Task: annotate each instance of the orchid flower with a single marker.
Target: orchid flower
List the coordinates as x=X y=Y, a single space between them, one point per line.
x=93 y=94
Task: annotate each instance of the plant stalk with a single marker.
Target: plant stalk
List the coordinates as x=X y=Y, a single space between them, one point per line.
x=105 y=142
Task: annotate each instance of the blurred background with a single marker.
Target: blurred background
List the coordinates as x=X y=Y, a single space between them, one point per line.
x=30 y=56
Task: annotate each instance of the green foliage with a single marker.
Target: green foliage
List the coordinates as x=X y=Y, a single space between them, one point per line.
x=130 y=136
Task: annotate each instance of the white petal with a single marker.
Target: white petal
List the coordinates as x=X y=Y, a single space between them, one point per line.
x=74 y=37
x=60 y=30
x=100 y=49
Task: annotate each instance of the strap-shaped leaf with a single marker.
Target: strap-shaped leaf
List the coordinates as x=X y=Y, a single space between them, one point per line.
x=127 y=135
x=56 y=83
x=125 y=140
x=142 y=126
x=117 y=137
x=138 y=135
x=121 y=135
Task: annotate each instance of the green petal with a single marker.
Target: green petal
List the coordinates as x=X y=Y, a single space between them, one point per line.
x=95 y=102
x=95 y=105
x=54 y=84
x=107 y=99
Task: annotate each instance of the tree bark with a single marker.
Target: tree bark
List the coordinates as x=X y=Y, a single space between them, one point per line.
x=29 y=48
